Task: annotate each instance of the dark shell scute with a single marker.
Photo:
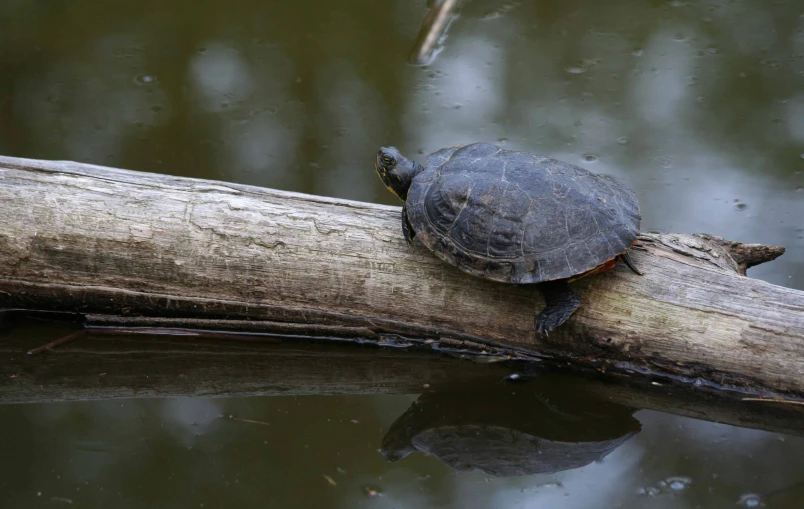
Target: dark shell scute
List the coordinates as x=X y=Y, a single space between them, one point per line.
x=447 y=200
x=582 y=224
x=555 y=262
x=440 y=157
x=505 y=239
x=476 y=151
x=505 y=233
x=546 y=231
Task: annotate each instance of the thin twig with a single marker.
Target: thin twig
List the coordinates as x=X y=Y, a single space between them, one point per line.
x=251 y=421
x=57 y=342
x=775 y=400
x=156 y=331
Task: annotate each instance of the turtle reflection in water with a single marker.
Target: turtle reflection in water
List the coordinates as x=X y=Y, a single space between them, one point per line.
x=544 y=426
x=515 y=217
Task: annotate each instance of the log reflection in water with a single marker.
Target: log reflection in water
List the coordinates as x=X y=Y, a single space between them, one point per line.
x=199 y=363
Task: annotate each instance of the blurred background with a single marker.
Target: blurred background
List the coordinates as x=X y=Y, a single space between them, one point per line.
x=696 y=105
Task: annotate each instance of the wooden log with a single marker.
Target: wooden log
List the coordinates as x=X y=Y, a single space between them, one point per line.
x=90 y=239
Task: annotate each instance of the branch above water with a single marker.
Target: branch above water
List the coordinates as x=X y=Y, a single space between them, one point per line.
x=144 y=247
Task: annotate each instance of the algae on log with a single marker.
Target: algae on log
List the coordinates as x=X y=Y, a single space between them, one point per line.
x=90 y=239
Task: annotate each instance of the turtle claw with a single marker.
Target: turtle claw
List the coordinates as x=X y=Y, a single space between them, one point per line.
x=630 y=264
x=548 y=320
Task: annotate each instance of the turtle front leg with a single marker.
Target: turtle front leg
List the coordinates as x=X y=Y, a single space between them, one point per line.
x=407 y=229
x=561 y=303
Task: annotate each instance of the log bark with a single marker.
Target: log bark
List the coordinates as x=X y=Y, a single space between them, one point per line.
x=90 y=239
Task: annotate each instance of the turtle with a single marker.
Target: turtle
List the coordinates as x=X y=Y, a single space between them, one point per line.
x=515 y=217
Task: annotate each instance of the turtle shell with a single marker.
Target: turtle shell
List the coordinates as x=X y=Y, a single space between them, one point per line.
x=517 y=217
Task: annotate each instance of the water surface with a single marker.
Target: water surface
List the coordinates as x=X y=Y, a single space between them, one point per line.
x=696 y=105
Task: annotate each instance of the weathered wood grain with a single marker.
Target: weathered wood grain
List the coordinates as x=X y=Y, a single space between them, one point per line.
x=100 y=240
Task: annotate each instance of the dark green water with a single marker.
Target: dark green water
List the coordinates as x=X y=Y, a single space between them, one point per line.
x=697 y=105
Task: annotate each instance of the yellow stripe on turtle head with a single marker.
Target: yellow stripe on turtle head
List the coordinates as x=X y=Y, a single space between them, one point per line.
x=382 y=173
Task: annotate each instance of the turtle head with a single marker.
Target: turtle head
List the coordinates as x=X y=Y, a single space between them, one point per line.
x=396 y=444
x=396 y=171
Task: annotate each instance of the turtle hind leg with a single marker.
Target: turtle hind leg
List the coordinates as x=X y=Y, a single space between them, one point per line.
x=561 y=303
x=627 y=260
x=407 y=228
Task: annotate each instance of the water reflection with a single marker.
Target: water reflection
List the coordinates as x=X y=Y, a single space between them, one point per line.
x=512 y=429
x=434 y=30
x=552 y=441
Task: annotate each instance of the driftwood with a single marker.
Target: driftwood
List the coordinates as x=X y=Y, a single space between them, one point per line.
x=89 y=239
